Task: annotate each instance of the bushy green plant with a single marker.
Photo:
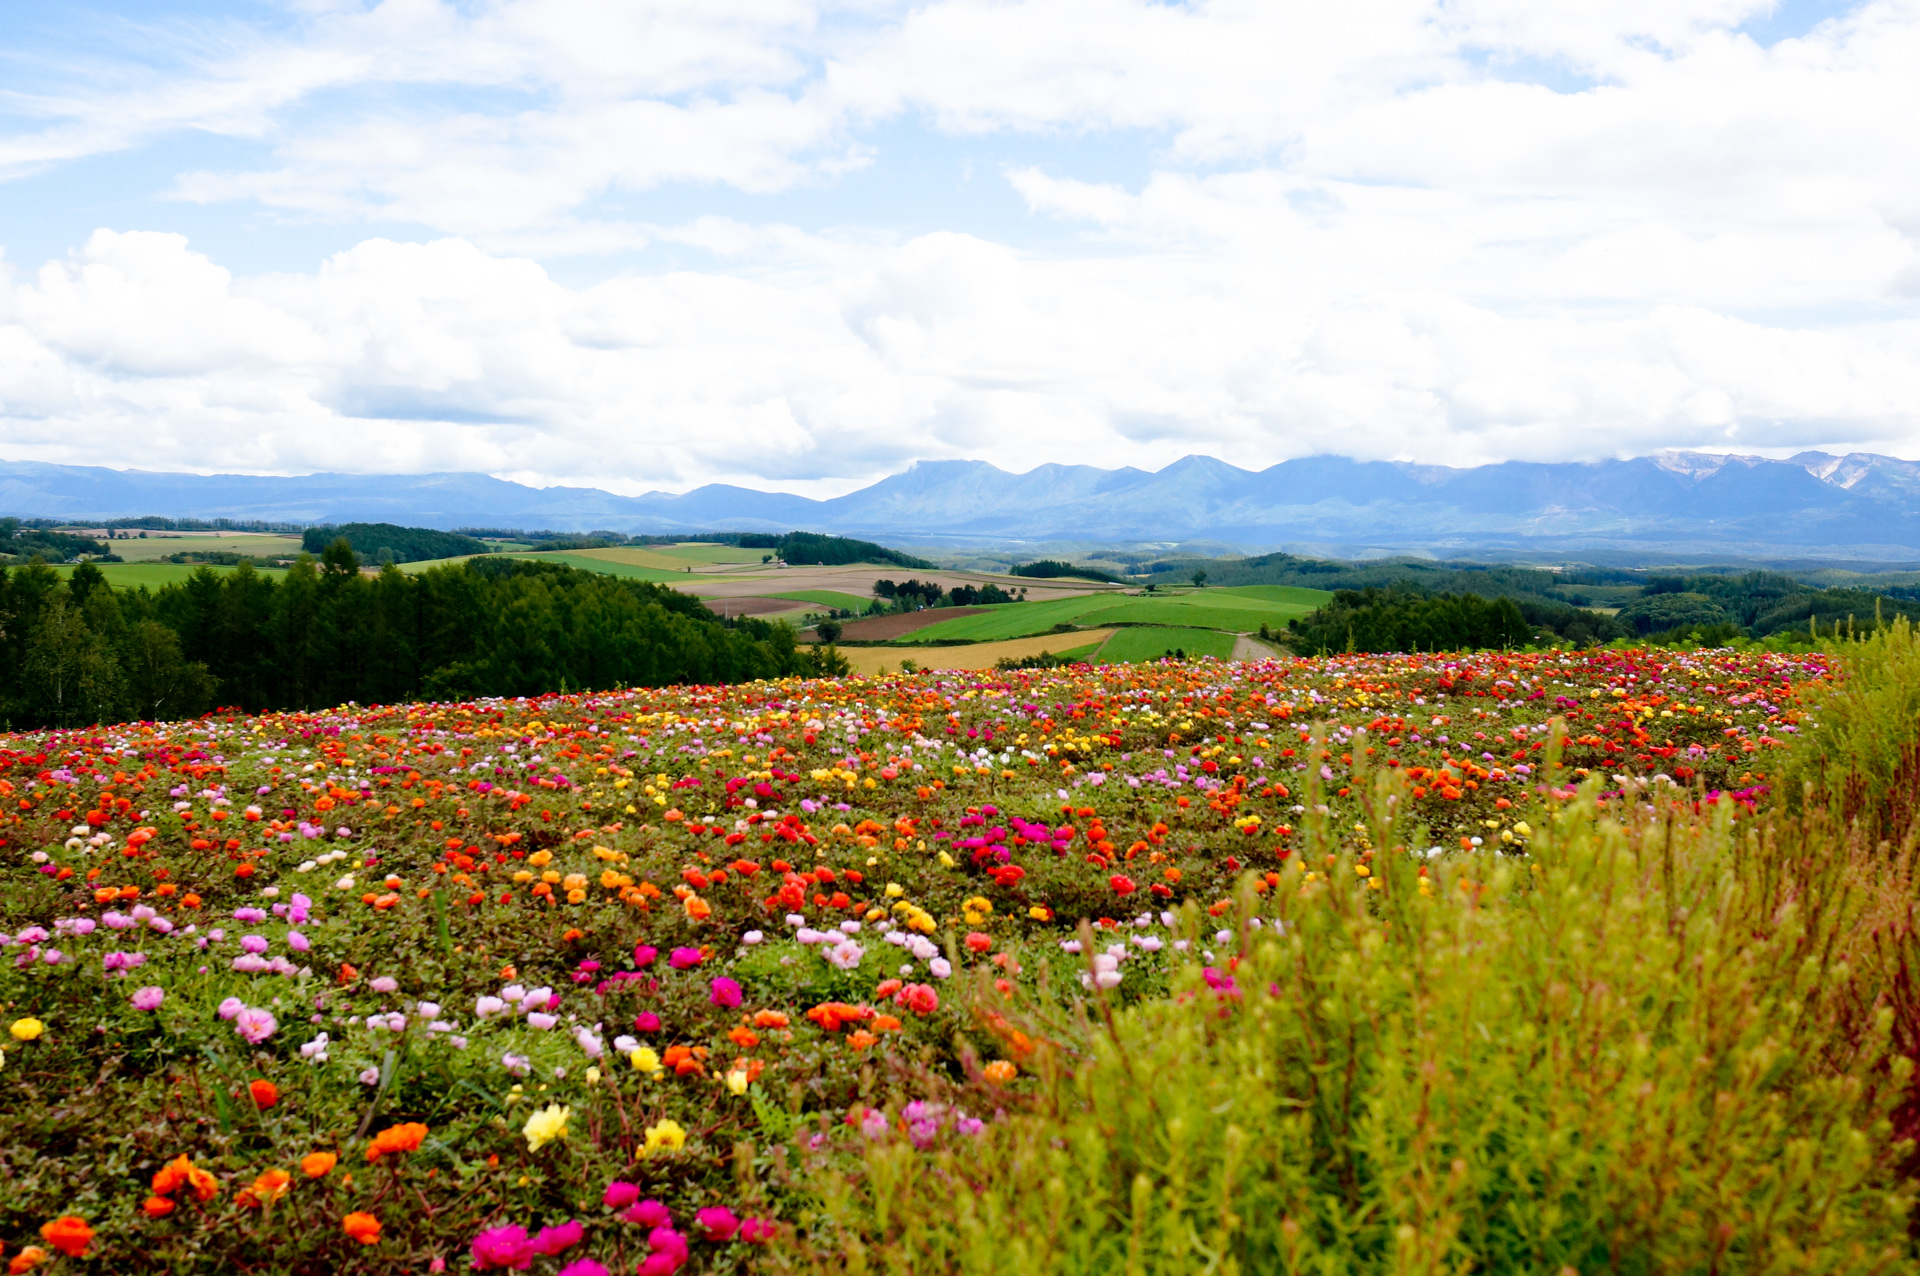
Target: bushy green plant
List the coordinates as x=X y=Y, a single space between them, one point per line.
x=1652 y=1044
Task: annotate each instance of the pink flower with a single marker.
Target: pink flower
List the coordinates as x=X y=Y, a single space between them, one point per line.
x=717 y=1223
x=646 y=1021
x=684 y=958
x=724 y=993
x=644 y=955
x=620 y=1194
x=552 y=1240
x=231 y=1007
x=503 y=1247
x=650 y=1214
x=669 y=1252
x=149 y=998
x=758 y=1231
x=583 y=1267
x=919 y=998
x=254 y=1025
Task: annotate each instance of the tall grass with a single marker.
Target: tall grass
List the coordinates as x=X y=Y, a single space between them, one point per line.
x=1665 y=1039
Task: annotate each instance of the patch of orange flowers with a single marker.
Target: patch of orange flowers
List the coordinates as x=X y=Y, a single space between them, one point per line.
x=397 y=1138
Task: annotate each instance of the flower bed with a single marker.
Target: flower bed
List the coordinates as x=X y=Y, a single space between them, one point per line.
x=557 y=982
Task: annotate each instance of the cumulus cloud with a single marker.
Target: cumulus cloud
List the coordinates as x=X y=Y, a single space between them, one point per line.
x=1396 y=228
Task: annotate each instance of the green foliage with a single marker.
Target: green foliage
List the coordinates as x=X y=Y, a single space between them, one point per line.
x=1651 y=1045
x=1860 y=752
x=78 y=651
x=1664 y=611
x=799 y=548
x=1370 y=620
x=400 y=544
x=1053 y=568
x=26 y=541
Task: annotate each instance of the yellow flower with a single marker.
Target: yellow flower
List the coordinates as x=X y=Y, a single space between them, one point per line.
x=737 y=1081
x=593 y=1076
x=27 y=1029
x=668 y=1136
x=645 y=1060
x=546 y=1125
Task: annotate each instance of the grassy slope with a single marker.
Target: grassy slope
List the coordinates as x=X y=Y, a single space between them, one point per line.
x=1151 y=644
x=156 y=547
x=1229 y=610
x=825 y=598
x=152 y=575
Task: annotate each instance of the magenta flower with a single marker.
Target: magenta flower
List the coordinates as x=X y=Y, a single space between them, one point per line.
x=669 y=1252
x=552 y=1240
x=620 y=1194
x=758 y=1231
x=584 y=1267
x=644 y=954
x=724 y=993
x=684 y=958
x=646 y=1021
x=717 y=1223
x=149 y=998
x=503 y=1247
x=650 y=1214
x=254 y=1025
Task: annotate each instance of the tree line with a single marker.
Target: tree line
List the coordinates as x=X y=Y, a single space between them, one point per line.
x=76 y=650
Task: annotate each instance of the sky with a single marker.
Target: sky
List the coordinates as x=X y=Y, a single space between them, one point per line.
x=799 y=244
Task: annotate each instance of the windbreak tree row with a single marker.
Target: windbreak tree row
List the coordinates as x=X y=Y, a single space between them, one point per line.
x=77 y=650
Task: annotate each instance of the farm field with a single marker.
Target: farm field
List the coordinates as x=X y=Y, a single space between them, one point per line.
x=1153 y=642
x=153 y=575
x=666 y=976
x=976 y=656
x=1229 y=610
x=828 y=598
x=160 y=545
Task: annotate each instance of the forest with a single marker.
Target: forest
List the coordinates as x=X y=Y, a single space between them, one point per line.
x=76 y=650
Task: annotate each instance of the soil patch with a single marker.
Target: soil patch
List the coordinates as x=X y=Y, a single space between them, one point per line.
x=888 y=628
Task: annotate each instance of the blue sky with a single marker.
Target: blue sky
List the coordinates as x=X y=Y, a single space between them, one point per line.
x=800 y=243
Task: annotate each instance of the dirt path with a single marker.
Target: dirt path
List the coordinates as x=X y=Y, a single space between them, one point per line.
x=1246 y=647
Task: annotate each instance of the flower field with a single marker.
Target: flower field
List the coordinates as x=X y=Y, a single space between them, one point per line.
x=579 y=983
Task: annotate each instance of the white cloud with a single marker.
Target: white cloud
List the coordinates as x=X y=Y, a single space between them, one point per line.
x=1385 y=228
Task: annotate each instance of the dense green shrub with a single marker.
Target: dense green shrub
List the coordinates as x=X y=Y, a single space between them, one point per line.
x=1657 y=1042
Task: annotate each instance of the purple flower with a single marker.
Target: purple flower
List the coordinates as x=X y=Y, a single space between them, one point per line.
x=148 y=998
x=650 y=1214
x=724 y=993
x=620 y=1194
x=254 y=1025
x=684 y=958
x=717 y=1223
x=298 y=942
x=552 y=1240
x=503 y=1247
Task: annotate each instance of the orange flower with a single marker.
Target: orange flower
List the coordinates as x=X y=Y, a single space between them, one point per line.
x=317 y=1165
x=265 y=1093
x=265 y=1190
x=684 y=1061
x=860 y=1038
x=364 y=1228
x=744 y=1037
x=26 y=1260
x=182 y=1172
x=885 y=1023
x=999 y=1072
x=397 y=1138
x=770 y=1019
x=69 y=1234
x=157 y=1206
x=831 y=1014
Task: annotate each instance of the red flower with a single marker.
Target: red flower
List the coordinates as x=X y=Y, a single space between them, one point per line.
x=1121 y=883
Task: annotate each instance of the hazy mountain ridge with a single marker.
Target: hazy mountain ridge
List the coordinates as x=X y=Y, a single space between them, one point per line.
x=1859 y=504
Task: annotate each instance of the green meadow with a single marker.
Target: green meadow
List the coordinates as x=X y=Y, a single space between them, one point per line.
x=1228 y=610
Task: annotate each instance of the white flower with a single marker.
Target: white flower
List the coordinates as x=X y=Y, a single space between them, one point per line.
x=345 y=883
x=315 y=1051
x=846 y=954
x=486 y=1007
x=940 y=967
x=513 y=992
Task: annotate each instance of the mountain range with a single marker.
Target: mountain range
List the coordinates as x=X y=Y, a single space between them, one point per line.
x=1858 y=506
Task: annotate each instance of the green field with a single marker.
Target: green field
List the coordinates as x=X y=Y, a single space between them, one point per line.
x=153 y=575
x=589 y=561
x=699 y=552
x=154 y=547
x=1151 y=643
x=1234 y=611
x=826 y=598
